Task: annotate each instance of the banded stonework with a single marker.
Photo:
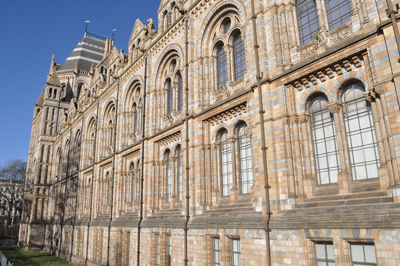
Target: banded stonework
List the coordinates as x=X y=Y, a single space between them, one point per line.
x=329 y=77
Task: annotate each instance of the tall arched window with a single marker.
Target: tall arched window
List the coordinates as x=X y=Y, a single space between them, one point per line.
x=226 y=162
x=78 y=145
x=169 y=177
x=59 y=162
x=135 y=118
x=110 y=132
x=109 y=188
x=179 y=172
x=222 y=66
x=246 y=159
x=307 y=19
x=360 y=132
x=339 y=12
x=239 y=55
x=133 y=181
x=170 y=97
x=180 y=92
x=324 y=141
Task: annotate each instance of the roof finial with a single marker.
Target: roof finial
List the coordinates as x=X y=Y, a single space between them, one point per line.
x=51 y=65
x=86 y=26
x=113 y=34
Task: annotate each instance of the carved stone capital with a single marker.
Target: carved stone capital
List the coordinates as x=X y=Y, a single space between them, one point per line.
x=304 y=118
x=335 y=107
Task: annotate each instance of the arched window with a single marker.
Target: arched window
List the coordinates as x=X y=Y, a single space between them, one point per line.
x=222 y=66
x=246 y=159
x=179 y=172
x=360 y=132
x=59 y=162
x=324 y=141
x=226 y=162
x=135 y=118
x=225 y=25
x=109 y=188
x=239 y=56
x=78 y=90
x=133 y=181
x=307 y=19
x=170 y=97
x=180 y=92
x=168 y=171
x=110 y=132
x=339 y=12
x=78 y=143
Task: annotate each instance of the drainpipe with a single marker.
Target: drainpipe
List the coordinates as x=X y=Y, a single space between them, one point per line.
x=187 y=167
x=263 y=143
x=113 y=174
x=142 y=158
x=91 y=186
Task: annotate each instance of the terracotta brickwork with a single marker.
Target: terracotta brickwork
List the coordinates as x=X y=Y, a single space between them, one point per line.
x=332 y=133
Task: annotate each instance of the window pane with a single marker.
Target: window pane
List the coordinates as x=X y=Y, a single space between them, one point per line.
x=239 y=56
x=307 y=20
x=222 y=66
x=324 y=141
x=360 y=131
x=339 y=12
x=357 y=253
x=320 y=251
x=370 y=253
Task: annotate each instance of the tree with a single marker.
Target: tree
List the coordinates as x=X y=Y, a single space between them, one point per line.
x=12 y=176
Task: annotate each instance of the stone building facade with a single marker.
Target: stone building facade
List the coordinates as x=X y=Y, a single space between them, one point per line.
x=237 y=133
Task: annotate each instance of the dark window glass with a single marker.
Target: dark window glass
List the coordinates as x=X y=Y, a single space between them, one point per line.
x=307 y=19
x=170 y=98
x=339 y=12
x=180 y=93
x=222 y=66
x=239 y=56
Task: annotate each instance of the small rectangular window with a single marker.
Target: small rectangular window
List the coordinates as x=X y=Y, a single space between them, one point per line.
x=363 y=254
x=216 y=251
x=158 y=250
x=236 y=255
x=324 y=255
x=169 y=250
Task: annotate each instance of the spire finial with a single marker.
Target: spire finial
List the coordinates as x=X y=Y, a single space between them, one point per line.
x=86 y=26
x=113 y=34
x=51 y=65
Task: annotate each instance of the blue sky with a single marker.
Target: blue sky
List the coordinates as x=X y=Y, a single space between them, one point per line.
x=31 y=31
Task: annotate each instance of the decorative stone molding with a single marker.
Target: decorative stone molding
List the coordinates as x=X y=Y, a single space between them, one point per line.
x=335 y=107
x=228 y=114
x=321 y=75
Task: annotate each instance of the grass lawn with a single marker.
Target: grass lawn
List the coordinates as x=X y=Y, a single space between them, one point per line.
x=19 y=256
